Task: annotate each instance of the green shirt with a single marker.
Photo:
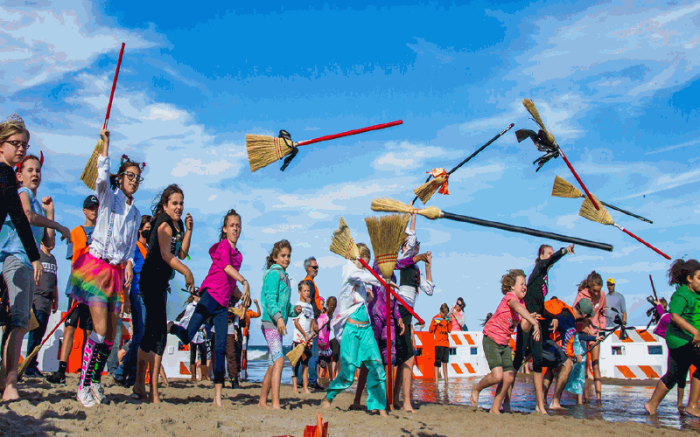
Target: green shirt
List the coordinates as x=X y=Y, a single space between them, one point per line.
x=686 y=304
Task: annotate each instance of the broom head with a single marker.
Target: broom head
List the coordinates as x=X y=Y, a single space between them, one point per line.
x=237 y=311
x=295 y=354
x=89 y=175
x=25 y=363
x=562 y=188
x=426 y=191
x=530 y=106
x=263 y=150
x=343 y=243
x=589 y=212
x=387 y=234
x=385 y=204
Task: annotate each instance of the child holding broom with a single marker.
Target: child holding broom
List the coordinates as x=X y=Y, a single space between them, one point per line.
x=303 y=334
x=216 y=292
x=277 y=309
x=352 y=327
x=98 y=275
x=497 y=332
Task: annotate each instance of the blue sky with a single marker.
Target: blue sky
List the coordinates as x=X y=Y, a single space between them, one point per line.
x=616 y=82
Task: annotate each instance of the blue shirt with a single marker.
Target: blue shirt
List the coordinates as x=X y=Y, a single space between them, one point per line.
x=138 y=265
x=10 y=244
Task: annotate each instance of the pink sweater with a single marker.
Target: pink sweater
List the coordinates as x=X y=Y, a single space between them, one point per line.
x=220 y=285
x=599 y=304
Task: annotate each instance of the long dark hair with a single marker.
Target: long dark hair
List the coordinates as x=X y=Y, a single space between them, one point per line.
x=331 y=304
x=160 y=201
x=680 y=270
x=276 y=249
x=123 y=165
x=231 y=213
x=541 y=249
x=591 y=280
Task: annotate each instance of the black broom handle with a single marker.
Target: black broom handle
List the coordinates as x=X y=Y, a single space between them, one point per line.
x=528 y=231
x=627 y=212
x=472 y=155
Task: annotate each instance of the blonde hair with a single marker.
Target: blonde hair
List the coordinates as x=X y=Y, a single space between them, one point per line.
x=364 y=251
x=509 y=279
x=9 y=128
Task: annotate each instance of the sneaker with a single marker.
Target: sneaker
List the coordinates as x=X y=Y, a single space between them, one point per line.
x=98 y=393
x=85 y=397
x=235 y=384
x=30 y=372
x=121 y=382
x=57 y=378
x=38 y=373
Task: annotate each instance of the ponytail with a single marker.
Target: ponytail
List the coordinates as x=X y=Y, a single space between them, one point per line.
x=276 y=249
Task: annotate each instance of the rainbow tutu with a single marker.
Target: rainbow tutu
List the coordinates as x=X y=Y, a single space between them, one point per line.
x=97 y=283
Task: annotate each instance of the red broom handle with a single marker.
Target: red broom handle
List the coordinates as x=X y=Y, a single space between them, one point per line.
x=643 y=242
x=348 y=133
x=393 y=293
x=390 y=373
x=580 y=182
x=114 y=85
x=75 y=304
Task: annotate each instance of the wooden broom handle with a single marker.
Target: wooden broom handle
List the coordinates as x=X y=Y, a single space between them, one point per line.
x=63 y=319
x=348 y=133
x=641 y=241
x=393 y=293
x=580 y=182
x=114 y=85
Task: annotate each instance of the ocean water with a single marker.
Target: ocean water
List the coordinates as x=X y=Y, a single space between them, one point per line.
x=620 y=403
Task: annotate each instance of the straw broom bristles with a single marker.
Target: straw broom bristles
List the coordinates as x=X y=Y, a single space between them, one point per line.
x=426 y=191
x=295 y=354
x=530 y=106
x=589 y=212
x=238 y=311
x=342 y=243
x=263 y=150
x=387 y=234
x=24 y=364
x=385 y=204
x=562 y=188
x=89 y=175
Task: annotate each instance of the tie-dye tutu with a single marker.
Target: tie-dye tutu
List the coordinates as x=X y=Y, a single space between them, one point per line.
x=97 y=283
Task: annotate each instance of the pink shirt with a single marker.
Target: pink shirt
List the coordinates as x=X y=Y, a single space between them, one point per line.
x=220 y=285
x=501 y=326
x=599 y=304
x=457 y=321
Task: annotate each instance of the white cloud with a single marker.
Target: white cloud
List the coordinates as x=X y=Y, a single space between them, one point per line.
x=407 y=156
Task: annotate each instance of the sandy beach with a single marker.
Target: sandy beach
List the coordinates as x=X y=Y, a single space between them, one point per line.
x=187 y=410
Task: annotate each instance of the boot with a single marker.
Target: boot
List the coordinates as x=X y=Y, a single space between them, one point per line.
x=205 y=372
x=193 y=372
x=234 y=383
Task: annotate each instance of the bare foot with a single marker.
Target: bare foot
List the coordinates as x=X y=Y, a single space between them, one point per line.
x=262 y=404
x=140 y=392
x=650 y=410
x=217 y=401
x=383 y=414
x=408 y=408
x=295 y=391
x=276 y=406
x=681 y=408
x=693 y=410
x=326 y=403
x=474 y=398
x=10 y=394
x=541 y=410
x=306 y=390
x=495 y=411
x=506 y=408
x=555 y=406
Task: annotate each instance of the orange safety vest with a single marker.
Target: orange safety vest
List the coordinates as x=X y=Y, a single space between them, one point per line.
x=556 y=307
x=79 y=240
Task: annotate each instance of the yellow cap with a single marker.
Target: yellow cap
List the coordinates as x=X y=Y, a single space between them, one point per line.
x=611 y=281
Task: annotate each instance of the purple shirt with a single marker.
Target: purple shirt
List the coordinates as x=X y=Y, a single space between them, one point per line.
x=377 y=307
x=664 y=320
x=220 y=285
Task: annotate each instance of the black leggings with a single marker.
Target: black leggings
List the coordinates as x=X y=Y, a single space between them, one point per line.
x=679 y=362
x=155 y=336
x=526 y=344
x=202 y=347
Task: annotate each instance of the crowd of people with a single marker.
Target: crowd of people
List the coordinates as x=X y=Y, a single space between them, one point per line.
x=123 y=262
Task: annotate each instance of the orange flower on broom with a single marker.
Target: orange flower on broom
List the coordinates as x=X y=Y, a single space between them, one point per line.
x=445 y=186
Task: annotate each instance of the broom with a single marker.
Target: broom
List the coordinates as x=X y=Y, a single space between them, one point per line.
x=240 y=312
x=562 y=188
x=587 y=211
x=343 y=244
x=295 y=354
x=433 y=213
x=263 y=150
x=22 y=367
x=89 y=175
x=426 y=191
x=530 y=106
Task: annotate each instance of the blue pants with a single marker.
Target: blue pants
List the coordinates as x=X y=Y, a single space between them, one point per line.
x=208 y=308
x=127 y=370
x=313 y=361
x=35 y=336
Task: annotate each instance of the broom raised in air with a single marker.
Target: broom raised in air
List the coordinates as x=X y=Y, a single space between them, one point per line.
x=562 y=188
x=587 y=211
x=545 y=142
x=344 y=245
x=433 y=213
x=263 y=150
x=22 y=367
x=441 y=177
x=89 y=175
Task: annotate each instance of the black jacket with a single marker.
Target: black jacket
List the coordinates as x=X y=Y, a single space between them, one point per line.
x=10 y=204
x=538 y=285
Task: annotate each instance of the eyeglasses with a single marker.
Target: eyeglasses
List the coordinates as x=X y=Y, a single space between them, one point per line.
x=16 y=144
x=131 y=176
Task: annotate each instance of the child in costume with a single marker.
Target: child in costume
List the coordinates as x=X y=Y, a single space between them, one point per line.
x=497 y=332
x=303 y=334
x=352 y=327
x=275 y=296
x=100 y=274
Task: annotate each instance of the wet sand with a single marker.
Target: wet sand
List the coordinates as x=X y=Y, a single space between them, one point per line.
x=187 y=410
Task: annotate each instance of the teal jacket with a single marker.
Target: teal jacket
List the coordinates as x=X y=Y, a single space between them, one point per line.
x=275 y=295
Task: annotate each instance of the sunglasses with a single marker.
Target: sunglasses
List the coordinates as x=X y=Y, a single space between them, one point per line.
x=17 y=144
x=314 y=267
x=131 y=176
